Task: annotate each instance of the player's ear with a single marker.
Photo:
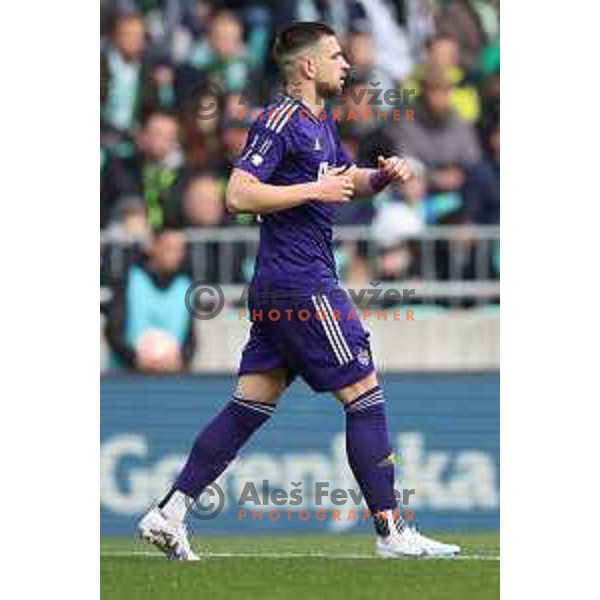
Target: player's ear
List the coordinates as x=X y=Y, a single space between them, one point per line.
x=310 y=67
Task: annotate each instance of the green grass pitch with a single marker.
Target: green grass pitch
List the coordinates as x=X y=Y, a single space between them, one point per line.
x=299 y=567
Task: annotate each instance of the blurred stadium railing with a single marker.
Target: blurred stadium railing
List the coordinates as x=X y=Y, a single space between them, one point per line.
x=456 y=324
x=452 y=263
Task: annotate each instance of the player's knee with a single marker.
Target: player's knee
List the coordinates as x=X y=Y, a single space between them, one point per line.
x=265 y=388
x=349 y=393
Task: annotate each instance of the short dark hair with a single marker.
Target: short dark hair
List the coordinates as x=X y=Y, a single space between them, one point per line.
x=298 y=36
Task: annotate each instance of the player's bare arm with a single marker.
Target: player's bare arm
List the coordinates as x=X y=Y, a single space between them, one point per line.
x=247 y=194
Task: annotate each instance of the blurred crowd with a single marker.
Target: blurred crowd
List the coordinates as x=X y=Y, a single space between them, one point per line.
x=161 y=165
x=165 y=167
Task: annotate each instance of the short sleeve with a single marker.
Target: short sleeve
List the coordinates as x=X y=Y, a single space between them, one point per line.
x=263 y=152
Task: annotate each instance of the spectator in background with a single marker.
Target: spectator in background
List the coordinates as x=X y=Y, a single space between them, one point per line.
x=237 y=120
x=407 y=210
x=148 y=327
x=367 y=137
x=153 y=173
x=256 y=17
x=403 y=215
x=130 y=226
x=237 y=108
x=397 y=258
x=392 y=46
x=410 y=207
x=221 y=56
x=439 y=137
x=108 y=194
x=482 y=207
x=482 y=189
x=203 y=202
x=203 y=206
x=126 y=87
x=462 y=20
x=361 y=53
x=163 y=81
x=490 y=96
x=443 y=53
x=194 y=24
x=162 y=17
x=202 y=120
x=419 y=22
x=147 y=72
x=338 y=15
x=130 y=223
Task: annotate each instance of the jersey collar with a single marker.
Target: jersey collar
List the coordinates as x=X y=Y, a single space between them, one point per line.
x=298 y=100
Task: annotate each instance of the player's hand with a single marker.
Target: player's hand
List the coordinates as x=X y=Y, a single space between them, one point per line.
x=395 y=168
x=336 y=186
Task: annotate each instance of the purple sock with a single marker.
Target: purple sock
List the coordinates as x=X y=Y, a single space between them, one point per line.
x=368 y=449
x=218 y=443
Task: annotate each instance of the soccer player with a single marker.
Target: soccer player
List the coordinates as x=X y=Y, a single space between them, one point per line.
x=292 y=172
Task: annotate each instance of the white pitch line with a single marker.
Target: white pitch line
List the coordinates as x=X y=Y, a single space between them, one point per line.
x=125 y=554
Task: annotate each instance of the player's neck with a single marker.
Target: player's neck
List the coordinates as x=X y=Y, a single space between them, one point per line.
x=307 y=94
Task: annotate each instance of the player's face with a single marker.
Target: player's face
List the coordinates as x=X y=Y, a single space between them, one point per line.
x=332 y=67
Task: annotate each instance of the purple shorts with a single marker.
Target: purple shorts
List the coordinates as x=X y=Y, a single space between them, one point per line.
x=319 y=338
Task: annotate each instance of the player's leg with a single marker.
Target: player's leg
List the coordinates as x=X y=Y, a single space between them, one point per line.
x=263 y=376
x=368 y=449
x=371 y=459
x=332 y=353
x=251 y=406
x=216 y=445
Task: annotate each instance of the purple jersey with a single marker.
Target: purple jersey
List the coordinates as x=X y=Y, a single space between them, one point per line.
x=290 y=145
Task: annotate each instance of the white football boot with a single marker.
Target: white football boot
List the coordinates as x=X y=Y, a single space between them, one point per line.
x=432 y=548
x=395 y=542
x=171 y=538
x=403 y=541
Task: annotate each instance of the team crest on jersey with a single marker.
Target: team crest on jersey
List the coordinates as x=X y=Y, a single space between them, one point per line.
x=256 y=160
x=364 y=357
